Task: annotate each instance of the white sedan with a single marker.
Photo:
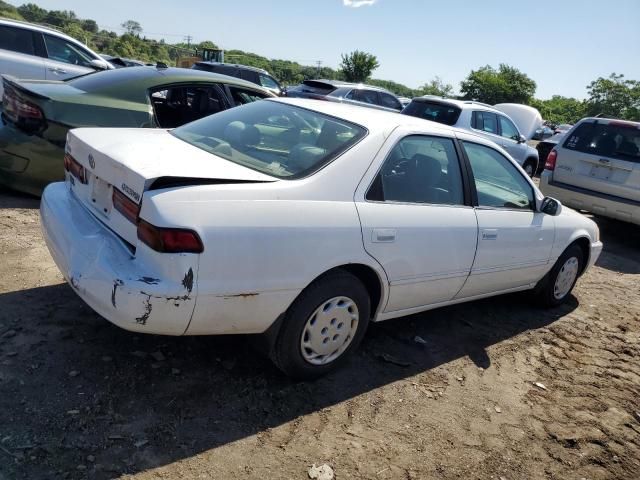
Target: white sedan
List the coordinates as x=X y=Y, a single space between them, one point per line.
x=303 y=221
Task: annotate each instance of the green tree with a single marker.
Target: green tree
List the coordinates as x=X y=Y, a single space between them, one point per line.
x=32 y=12
x=90 y=26
x=9 y=11
x=559 y=109
x=132 y=27
x=436 y=87
x=357 y=66
x=60 y=18
x=505 y=85
x=615 y=97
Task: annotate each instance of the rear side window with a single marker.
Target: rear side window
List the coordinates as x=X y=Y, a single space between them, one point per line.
x=16 y=39
x=436 y=112
x=485 y=121
x=616 y=139
x=367 y=96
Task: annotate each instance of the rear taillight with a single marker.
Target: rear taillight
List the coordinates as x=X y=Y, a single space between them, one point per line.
x=169 y=240
x=550 y=163
x=74 y=168
x=127 y=207
x=24 y=114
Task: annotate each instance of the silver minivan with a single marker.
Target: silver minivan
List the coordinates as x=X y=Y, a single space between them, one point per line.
x=596 y=167
x=40 y=53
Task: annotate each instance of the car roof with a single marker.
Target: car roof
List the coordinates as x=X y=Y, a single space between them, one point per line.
x=232 y=65
x=33 y=26
x=606 y=121
x=341 y=83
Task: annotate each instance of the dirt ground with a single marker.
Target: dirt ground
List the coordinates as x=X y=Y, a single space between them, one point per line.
x=495 y=389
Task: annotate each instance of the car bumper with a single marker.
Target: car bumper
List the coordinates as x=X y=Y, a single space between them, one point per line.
x=594 y=202
x=103 y=271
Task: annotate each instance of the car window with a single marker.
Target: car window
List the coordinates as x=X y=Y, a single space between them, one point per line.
x=351 y=95
x=246 y=135
x=268 y=82
x=175 y=106
x=389 y=101
x=615 y=139
x=63 y=51
x=498 y=182
x=16 y=39
x=508 y=129
x=485 y=121
x=420 y=169
x=436 y=112
x=247 y=75
x=367 y=96
x=244 y=95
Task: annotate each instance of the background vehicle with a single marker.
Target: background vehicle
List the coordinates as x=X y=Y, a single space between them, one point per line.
x=527 y=118
x=563 y=128
x=479 y=118
x=35 y=52
x=338 y=91
x=545 y=146
x=120 y=62
x=543 y=132
x=302 y=220
x=596 y=167
x=38 y=114
x=250 y=74
x=404 y=101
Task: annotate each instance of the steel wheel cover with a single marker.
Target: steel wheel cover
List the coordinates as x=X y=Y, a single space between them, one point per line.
x=329 y=330
x=566 y=276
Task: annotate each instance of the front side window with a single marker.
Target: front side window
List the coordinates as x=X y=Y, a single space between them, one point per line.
x=420 y=169
x=246 y=135
x=615 y=139
x=498 y=182
x=389 y=101
x=485 y=121
x=508 y=129
x=16 y=39
x=63 y=51
x=268 y=82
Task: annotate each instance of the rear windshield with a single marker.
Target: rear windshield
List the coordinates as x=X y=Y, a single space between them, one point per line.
x=436 y=112
x=615 y=139
x=273 y=138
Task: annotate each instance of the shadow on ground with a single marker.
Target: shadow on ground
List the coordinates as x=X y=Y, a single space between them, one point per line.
x=13 y=199
x=75 y=385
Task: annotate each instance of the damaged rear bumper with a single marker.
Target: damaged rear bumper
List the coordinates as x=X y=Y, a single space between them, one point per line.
x=126 y=289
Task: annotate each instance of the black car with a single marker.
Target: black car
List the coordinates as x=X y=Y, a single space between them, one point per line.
x=250 y=74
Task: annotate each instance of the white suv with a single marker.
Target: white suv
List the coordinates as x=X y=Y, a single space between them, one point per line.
x=596 y=167
x=478 y=118
x=35 y=52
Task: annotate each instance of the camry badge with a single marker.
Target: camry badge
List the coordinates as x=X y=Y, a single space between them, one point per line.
x=92 y=162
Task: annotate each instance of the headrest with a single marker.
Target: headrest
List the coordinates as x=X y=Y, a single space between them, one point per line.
x=241 y=135
x=428 y=170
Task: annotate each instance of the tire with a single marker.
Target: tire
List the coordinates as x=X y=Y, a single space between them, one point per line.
x=323 y=314
x=530 y=167
x=555 y=287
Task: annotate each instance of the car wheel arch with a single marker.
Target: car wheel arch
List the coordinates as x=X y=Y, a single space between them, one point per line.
x=585 y=245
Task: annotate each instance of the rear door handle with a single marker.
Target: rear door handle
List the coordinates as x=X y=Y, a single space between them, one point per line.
x=490 y=234
x=383 y=235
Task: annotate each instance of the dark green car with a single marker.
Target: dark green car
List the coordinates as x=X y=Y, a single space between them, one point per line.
x=37 y=114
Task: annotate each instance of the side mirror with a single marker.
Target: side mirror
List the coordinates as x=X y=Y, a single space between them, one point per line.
x=100 y=64
x=522 y=139
x=551 y=206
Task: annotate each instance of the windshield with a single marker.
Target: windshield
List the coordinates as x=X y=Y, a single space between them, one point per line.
x=434 y=111
x=273 y=138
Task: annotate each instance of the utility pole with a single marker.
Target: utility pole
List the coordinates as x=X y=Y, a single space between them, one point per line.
x=319 y=63
x=188 y=38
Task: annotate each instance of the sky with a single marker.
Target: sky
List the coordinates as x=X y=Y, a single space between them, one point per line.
x=563 y=45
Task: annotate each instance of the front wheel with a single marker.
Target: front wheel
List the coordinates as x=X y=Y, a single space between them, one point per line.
x=555 y=288
x=322 y=326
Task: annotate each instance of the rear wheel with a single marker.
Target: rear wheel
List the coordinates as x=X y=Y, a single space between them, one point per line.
x=529 y=167
x=558 y=283
x=322 y=326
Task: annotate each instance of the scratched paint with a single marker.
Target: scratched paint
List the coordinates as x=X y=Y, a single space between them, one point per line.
x=187 y=281
x=116 y=283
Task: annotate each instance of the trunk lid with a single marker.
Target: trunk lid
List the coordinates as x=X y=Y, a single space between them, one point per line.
x=603 y=156
x=126 y=162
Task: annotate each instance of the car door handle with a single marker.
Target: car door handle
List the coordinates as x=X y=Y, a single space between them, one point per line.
x=383 y=235
x=57 y=70
x=490 y=234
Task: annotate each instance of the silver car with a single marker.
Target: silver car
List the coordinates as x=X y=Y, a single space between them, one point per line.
x=479 y=118
x=344 y=92
x=596 y=167
x=40 y=53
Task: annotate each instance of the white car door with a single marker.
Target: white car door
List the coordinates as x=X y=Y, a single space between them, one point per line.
x=65 y=59
x=17 y=54
x=416 y=219
x=510 y=140
x=514 y=240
